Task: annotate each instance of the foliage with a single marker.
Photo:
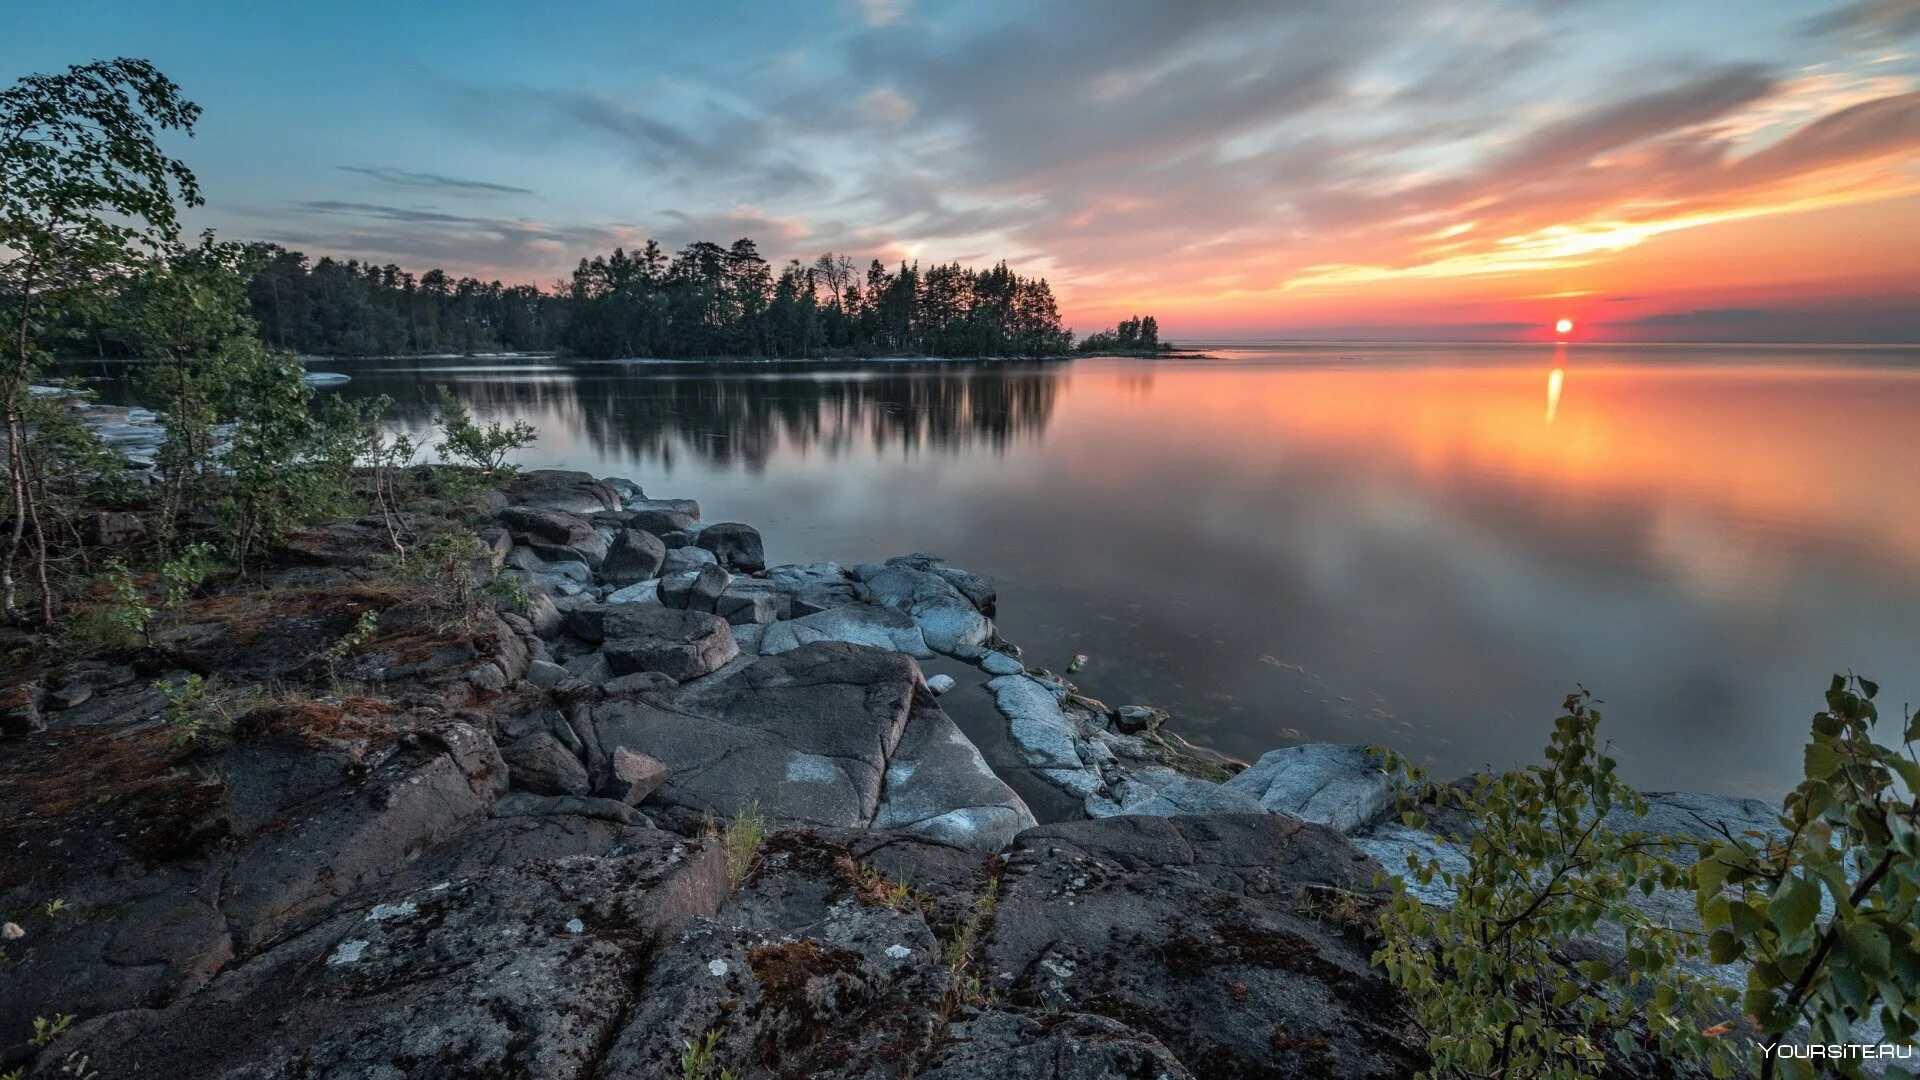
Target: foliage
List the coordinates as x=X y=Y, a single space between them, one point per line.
x=363 y=630
x=1138 y=334
x=442 y=569
x=1852 y=833
x=276 y=483
x=740 y=841
x=696 y=1062
x=85 y=192
x=120 y=618
x=709 y=300
x=467 y=443
x=45 y=1030
x=194 y=710
x=958 y=953
x=1488 y=979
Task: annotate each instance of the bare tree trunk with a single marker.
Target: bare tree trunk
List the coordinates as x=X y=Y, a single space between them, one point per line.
x=10 y=404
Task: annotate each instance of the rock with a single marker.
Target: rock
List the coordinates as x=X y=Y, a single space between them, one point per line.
x=541 y=764
x=1158 y=791
x=681 y=560
x=633 y=557
x=641 y=682
x=857 y=624
x=946 y=617
x=827 y=734
x=1332 y=784
x=20 y=710
x=1190 y=930
x=114 y=529
x=593 y=668
x=545 y=618
x=634 y=776
x=640 y=592
x=745 y=608
x=999 y=663
x=813 y=587
x=560 y=489
x=978 y=590
x=1039 y=728
x=662 y=522
x=1391 y=844
x=801 y=970
x=526 y=804
x=498 y=542
x=522 y=971
x=736 y=546
x=595 y=623
x=940 y=684
x=938 y=786
x=545 y=525
x=628 y=491
x=571 y=568
x=1001 y=1045
x=696 y=591
x=338 y=545
x=1136 y=719
x=679 y=644
x=418 y=799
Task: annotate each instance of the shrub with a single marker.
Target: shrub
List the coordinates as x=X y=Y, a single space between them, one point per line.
x=1851 y=832
x=1488 y=978
x=466 y=442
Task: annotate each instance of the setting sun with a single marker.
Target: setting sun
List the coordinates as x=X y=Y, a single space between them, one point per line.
x=1563 y=326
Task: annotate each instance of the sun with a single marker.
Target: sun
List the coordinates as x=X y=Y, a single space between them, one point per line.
x=1563 y=326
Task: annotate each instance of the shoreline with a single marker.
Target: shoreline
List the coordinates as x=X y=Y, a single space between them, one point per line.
x=648 y=776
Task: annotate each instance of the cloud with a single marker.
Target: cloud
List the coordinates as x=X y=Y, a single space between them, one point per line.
x=884 y=106
x=1700 y=318
x=515 y=248
x=883 y=12
x=434 y=181
x=1872 y=21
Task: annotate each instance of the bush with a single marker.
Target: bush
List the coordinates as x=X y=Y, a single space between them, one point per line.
x=1851 y=833
x=484 y=448
x=1489 y=979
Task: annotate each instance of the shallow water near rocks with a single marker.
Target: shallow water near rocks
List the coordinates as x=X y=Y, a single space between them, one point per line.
x=1423 y=546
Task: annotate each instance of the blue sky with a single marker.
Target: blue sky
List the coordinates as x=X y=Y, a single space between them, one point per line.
x=1239 y=167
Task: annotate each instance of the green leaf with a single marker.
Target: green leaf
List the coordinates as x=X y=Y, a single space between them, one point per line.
x=1795 y=906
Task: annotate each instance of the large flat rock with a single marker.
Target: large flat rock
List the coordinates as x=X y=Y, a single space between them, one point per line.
x=520 y=971
x=1192 y=931
x=826 y=734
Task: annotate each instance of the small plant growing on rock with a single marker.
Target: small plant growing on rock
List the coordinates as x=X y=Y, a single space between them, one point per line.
x=1488 y=978
x=1852 y=831
x=740 y=841
x=696 y=1063
x=193 y=710
x=363 y=630
x=45 y=1030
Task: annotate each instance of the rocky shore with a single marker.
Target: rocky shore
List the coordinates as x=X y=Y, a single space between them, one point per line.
x=663 y=807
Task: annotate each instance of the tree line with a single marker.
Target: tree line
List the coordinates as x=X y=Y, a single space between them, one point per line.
x=703 y=301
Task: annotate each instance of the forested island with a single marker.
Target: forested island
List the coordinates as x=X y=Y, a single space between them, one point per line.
x=704 y=301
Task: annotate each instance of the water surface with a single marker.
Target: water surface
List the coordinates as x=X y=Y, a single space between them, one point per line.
x=1425 y=546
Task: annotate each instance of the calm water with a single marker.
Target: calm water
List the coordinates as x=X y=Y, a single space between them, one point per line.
x=1425 y=546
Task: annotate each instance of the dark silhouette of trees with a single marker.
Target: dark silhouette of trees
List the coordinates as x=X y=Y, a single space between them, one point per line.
x=714 y=301
x=1138 y=334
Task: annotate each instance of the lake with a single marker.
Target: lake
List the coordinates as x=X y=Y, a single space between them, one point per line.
x=1420 y=545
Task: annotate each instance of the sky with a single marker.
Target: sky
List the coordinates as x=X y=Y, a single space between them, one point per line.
x=1730 y=170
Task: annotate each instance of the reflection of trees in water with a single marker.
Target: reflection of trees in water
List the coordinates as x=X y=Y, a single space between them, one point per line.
x=729 y=415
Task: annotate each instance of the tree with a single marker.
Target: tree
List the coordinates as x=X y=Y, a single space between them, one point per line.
x=85 y=192
x=1850 y=830
x=1544 y=864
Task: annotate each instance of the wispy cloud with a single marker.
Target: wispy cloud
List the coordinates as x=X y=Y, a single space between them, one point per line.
x=434 y=181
